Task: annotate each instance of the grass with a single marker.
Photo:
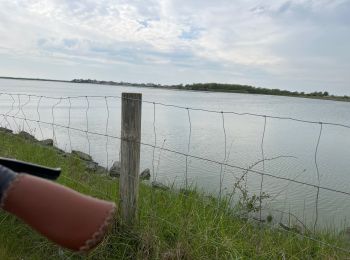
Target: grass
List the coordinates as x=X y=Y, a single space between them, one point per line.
x=172 y=224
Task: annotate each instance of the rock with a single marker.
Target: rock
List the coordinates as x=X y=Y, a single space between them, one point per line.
x=284 y=226
x=5 y=130
x=347 y=231
x=114 y=171
x=101 y=170
x=160 y=186
x=91 y=166
x=48 y=142
x=145 y=174
x=94 y=167
x=26 y=136
x=58 y=150
x=346 y=234
x=82 y=155
x=297 y=229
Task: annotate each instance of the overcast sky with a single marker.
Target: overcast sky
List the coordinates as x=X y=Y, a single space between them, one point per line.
x=301 y=45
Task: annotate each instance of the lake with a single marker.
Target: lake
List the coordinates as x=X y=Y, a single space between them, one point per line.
x=287 y=146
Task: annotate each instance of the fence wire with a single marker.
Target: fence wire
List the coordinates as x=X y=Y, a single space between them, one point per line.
x=16 y=112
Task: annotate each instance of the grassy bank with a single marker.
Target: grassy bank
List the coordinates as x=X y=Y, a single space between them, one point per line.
x=172 y=225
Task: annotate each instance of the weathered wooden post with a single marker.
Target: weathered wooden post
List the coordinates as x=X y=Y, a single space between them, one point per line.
x=130 y=156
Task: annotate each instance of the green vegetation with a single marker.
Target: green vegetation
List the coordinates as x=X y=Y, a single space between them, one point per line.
x=219 y=87
x=235 y=88
x=172 y=224
x=214 y=87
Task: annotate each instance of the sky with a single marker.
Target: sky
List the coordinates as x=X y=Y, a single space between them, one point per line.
x=299 y=45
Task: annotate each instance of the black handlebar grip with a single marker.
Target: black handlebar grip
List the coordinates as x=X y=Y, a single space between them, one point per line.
x=30 y=168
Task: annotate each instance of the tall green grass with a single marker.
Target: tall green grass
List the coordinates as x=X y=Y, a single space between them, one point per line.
x=172 y=224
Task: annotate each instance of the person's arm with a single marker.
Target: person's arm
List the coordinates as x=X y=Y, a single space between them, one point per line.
x=64 y=216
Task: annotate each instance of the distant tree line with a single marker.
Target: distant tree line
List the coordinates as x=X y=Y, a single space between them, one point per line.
x=121 y=83
x=219 y=87
x=251 y=90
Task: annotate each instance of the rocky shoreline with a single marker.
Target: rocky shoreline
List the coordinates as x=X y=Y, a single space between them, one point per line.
x=91 y=165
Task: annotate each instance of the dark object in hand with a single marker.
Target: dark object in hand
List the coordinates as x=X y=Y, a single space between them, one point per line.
x=64 y=216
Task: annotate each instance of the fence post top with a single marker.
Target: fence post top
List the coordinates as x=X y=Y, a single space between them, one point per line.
x=131 y=94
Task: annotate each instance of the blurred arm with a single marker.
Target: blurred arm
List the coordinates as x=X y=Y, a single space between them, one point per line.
x=66 y=217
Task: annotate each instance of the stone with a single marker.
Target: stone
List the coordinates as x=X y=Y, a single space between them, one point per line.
x=347 y=231
x=82 y=155
x=58 y=150
x=145 y=174
x=26 y=136
x=346 y=234
x=101 y=170
x=65 y=155
x=297 y=229
x=114 y=171
x=160 y=186
x=5 y=130
x=92 y=166
x=48 y=142
x=284 y=226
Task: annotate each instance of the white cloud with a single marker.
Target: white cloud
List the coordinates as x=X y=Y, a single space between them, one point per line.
x=270 y=38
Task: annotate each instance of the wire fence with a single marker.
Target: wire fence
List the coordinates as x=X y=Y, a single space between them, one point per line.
x=68 y=121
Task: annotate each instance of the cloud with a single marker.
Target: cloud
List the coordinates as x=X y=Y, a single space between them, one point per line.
x=262 y=41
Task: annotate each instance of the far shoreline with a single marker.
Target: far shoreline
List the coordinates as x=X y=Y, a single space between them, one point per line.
x=253 y=90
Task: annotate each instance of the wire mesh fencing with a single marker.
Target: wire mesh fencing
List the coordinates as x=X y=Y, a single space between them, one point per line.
x=267 y=164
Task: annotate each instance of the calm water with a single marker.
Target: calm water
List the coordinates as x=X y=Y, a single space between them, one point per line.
x=293 y=143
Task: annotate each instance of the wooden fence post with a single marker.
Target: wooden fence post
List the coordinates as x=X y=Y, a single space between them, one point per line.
x=130 y=156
